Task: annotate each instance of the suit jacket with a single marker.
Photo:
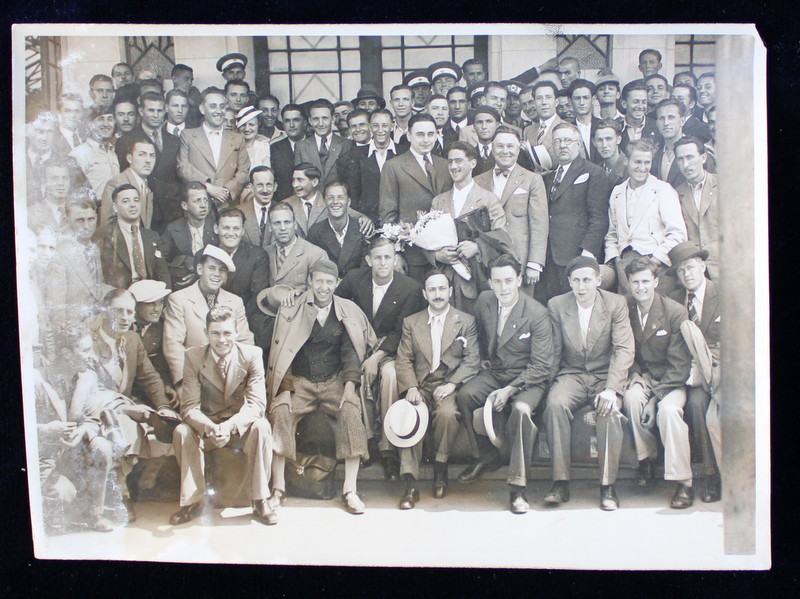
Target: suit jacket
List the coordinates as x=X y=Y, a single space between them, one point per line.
x=76 y=287
x=674 y=177
x=609 y=349
x=347 y=256
x=468 y=135
x=405 y=187
x=578 y=211
x=702 y=225
x=524 y=352
x=654 y=228
x=403 y=298
x=153 y=342
x=483 y=164
x=711 y=316
x=196 y=162
x=177 y=241
x=185 y=323
x=40 y=215
x=319 y=213
x=363 y=176
x=115 y=259
x=524 y=201
x=306 y=150
x=650 y=132
x=662 y=357
x=591 y=152
x=459 y=349
x=252 y=233
x=281 y=156
x=694 y=127
x=251 y=274
x=294 y=270
x=240 y=399
x=126 y=176
x=163 y=180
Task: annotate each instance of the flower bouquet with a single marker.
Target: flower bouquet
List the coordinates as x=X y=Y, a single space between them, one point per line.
x=435 y=230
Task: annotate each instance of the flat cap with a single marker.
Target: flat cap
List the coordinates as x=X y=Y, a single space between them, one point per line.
x=324 y=266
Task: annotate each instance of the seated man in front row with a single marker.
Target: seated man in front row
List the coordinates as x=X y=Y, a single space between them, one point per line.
x=516 y=341
x=438 y=352
x=223 y=403
x=593 y=352
x=315 y=363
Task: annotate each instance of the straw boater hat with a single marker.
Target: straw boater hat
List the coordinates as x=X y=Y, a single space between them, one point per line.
x=221 y=255
x=405 y=424
x=483 y=423
x=248 y=113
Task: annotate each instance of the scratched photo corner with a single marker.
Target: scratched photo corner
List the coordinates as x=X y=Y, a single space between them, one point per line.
x=395 y=295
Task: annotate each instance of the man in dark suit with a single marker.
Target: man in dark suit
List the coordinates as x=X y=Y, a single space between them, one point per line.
x=142 y=158
x=410 y=181
x=458 y=107
x=223 y=403
x=186 y=236
x=637 y=125
x=516 y=342
x=703 y=304
x=149 y=325
x=324 y=147
x=606 y=139
x=670 y=115
x=338 y=234
x=255 y=206
x=215 y=156
x=594 y=348
x=386 y=297
x=577 y=191
x=656 y=390
x=686 y=94
x=581 y=93
x=128 y=251
x=438 y=352
x=485 y=121
x=437 y=108
x=281 y=153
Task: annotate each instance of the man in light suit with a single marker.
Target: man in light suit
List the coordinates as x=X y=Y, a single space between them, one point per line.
x=185 y=315
x=698 y=198
x=49 y=211
x=410 y=181
x=141 y=158
x=324 y=147
x=338 y=235
x=215 y=156
x=516 y=343
x=656 y=390
x=129 y=251
x=644 y=218
x=524 y=199
x=438 y=353
x=539 y=135
x=594 y=348
x=703 y=303
x=256 y=207
x=386 y=297
x=223 y=403
x=577 y=191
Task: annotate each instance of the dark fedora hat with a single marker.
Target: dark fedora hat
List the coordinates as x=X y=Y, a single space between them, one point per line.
x=684 y=251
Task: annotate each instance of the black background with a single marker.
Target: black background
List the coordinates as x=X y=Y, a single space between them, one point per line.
x=777 y=22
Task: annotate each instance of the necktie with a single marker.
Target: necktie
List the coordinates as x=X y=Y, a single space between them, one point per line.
x=138 y=255
x=262 y=225
x=540 y=136
x=211 y=300
x=222 y=371
x=502 y=317
x=692 y=309
x=76 y=141
x=557 y=180
x=91 y=263
x=121 y=355
x=456 y=128
x=62 y=215
x=436 y=343
x=157 y=139
x=281 y=257
x=323 y=151
x=429 y=168
x=485 y=152
x=308 y=206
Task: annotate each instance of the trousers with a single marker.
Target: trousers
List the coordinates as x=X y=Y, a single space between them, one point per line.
x=702 y=416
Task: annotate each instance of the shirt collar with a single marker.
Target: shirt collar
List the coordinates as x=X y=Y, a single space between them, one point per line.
x=441 y=316
x=372 y=148
x=110 y=341
x=419 y=157
x=344 y=230
x=548 y=122
x=700 y=292
x=384 y=286
x=288 y=248
x=461 y=124
x=210 y=131
x=702 y=183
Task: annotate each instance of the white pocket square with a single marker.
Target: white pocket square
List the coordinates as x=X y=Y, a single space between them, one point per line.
x=157 y=254
x=661 y=333
x=582 y=179
x=524 y=335
x=463 y=340
x=717 y=318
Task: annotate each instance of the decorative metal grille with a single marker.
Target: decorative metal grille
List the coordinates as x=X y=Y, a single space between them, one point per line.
x=150 y=53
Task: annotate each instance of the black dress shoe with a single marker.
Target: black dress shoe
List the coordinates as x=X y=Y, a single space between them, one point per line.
x=683 y=498
x=263 y=513
x=410 y=499
x=608 y=498
x=127 y=502
x=473 y=472
x=186 y=513
x=391 y=468
x=519 y=503
x=712 y=491
x=558 y=494
x=644 y=477
x=439 y=480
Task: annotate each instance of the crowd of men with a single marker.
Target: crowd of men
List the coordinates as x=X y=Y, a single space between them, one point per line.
x=210 y=267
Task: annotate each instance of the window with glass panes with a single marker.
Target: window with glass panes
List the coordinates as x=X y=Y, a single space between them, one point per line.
x=695 y=53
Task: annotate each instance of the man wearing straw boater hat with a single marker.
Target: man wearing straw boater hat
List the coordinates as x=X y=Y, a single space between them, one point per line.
x=438 y=353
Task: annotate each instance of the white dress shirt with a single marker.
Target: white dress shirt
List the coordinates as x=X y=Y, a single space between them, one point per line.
x=460 y=198
x=586 y=134
x=697 y=191
x=699 y=297
x=196 y=234
x=421 y=159
x=176 y=130
x=381 y=155
x=584 y=316
x=127 y=235
x=340 y=236
x=322 y=314
x=436 y=322
x=215 y=141
x=378 y=293
x=502 y=316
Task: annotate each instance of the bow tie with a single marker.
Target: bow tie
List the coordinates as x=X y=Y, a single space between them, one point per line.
x=502 y=171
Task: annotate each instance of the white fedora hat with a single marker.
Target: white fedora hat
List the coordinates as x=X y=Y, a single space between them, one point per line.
x=405 y=424
x=483 y=423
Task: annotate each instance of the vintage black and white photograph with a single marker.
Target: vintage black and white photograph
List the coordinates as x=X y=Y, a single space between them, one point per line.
x=394 y=295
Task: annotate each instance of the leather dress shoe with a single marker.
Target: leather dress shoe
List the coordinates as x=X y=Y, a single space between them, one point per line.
x=608 y=498
x=409 y=499
x=473 y=472
x=352 y=503
x=519 y=503
x=391 y=468
x=683 y=498
x=712 y=491
x=439 y=480
x=101 y=524
x=186 y=513
x=127 y=502
x=558 y=494
x=263 y=513
x=644 y=476
x=276 y=499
